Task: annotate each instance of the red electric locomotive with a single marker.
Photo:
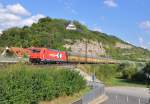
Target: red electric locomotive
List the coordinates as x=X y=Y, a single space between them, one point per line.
x=44 y=55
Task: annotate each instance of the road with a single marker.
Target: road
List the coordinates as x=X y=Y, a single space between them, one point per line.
x=127 y=95
x=131 y=91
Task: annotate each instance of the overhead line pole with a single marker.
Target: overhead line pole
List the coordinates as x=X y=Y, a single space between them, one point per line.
x=86 y=49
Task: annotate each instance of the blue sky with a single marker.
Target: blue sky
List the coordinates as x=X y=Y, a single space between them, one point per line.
x=126 y=19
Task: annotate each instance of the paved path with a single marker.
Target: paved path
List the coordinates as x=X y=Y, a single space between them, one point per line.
x=131 y=91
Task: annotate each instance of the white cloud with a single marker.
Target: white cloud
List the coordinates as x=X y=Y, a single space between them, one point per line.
x=141 y=41
x=17 y=9
x=144 y=44
x=97 y=29
x=145 y=25
x=7 y=17
x=16 y=16
x=33 y=19
x=110 y=3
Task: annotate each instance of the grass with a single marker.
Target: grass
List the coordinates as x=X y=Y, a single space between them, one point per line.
x=116 y=81
x=67 y=99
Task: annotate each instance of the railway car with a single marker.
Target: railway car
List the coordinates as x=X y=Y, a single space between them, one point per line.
x=44 y=55
x=78 y=58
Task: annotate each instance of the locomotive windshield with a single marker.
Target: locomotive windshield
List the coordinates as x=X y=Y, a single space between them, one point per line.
x=36 y=51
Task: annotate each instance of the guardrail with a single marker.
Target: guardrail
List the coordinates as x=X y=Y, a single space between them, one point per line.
x=8 y=60
x=12 y=59
x=115 y=98
x=97 y=91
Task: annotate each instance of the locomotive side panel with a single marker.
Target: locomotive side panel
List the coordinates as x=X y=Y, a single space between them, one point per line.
x=37 y=54
x=56 y=56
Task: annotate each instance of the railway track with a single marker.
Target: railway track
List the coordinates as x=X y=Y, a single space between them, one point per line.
x=12 y=60
x=67 y=65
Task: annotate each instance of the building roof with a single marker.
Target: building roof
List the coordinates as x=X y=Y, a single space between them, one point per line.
x=71 y=26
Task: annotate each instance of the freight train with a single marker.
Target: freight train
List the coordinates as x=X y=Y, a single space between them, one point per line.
x=45 y=55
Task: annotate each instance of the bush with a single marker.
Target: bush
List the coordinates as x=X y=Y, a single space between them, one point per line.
x=139 y=77
x=29 y=85
x=129 y=72
x=144 y=74
x=103 y=72
x=146 y=69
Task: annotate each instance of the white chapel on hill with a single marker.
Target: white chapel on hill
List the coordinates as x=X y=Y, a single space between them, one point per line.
x=71 y=26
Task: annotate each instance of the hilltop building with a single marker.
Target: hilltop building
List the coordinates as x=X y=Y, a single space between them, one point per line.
x=71 y=26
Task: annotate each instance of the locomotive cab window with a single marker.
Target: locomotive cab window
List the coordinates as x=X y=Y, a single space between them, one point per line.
x=36 y=51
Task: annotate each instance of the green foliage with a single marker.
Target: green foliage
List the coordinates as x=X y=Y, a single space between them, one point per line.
x=126 y=74
x=135 y=72
x=144 y=74
x=103 y=72
x=146 y=69
x=28 y=85
x=129 y=72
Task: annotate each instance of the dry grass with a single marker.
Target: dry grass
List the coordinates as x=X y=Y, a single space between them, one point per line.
x=61 y=100
x=67 y=99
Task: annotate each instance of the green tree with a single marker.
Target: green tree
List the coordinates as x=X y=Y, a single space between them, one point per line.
x=147 y=69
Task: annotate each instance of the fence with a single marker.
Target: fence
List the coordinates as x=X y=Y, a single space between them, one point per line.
x=8 y=59
x=12 y=59
x=97 y=90
x=115 y=98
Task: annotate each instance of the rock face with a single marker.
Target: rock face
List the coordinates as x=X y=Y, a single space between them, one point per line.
x=91 y=48
x=123 y=46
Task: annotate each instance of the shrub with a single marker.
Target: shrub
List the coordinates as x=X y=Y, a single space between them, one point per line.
x=28 y=85
x=144 y=74
x=129 y=72
x=103 y=72
x=146 y=69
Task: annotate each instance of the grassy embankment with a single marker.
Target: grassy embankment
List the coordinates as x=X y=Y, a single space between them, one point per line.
x=21 y=84
x=67 y=99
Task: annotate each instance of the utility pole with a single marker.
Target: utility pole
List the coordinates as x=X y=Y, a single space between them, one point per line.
x=86 y=50
x=79 y=55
